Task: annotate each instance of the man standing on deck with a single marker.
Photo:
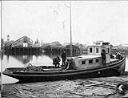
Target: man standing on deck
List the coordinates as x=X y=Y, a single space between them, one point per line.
x=63 y=56
x=103 y=55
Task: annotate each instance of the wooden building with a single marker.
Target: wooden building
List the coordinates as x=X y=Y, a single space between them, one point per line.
x=23 y=45
x=75 y=50
x=23 y=42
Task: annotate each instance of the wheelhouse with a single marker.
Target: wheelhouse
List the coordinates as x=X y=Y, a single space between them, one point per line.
x=93 y=58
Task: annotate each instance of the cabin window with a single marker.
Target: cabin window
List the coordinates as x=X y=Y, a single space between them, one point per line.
x=90 y=61
x=90 y=50
x=97 y=50
x=83 y=62
x=97 y=60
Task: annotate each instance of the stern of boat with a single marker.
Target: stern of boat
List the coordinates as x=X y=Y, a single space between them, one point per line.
x=121 y=70
x=120 y=66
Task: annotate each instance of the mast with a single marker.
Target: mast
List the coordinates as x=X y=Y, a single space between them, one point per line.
x=70 y=32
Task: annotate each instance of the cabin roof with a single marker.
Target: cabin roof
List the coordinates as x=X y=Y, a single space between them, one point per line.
x=87 y=56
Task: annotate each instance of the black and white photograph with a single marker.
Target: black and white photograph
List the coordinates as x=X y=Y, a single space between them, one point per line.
x=64 y=49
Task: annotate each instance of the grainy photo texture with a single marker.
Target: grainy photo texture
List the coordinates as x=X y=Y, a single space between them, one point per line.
x=64 y=49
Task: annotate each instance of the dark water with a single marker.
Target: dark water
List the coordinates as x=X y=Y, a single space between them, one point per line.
x=24 y=60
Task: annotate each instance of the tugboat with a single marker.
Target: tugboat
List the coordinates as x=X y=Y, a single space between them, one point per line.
x=99 y=61
x=93 y=64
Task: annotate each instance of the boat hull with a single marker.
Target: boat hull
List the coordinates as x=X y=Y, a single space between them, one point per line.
x=111 y=69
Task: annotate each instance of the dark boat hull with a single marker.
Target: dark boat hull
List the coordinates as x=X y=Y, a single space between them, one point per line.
x=111 y=69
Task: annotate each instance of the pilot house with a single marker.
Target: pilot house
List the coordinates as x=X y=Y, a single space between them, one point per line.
x=93 y=57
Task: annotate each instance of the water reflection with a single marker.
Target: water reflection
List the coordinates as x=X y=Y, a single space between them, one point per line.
x=24 y=58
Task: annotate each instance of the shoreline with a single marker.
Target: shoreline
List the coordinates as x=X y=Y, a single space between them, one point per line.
x=102 y=87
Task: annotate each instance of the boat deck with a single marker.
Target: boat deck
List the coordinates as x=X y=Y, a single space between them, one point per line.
x=112 y=60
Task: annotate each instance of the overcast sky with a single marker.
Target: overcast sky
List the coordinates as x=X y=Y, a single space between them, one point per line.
x=49 y=21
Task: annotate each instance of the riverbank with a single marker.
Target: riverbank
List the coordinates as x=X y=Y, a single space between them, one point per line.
x=103 y=87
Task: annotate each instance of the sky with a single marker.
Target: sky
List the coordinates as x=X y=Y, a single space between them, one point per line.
x=49 y=21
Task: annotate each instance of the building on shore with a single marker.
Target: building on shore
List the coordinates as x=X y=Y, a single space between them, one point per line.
x=23 y=45
x=23 y=42
x=57 y=48
x=75 y=50
x=26 y=45
x=54 y=47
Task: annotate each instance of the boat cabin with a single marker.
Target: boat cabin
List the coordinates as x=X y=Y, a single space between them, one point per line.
x=93 y=58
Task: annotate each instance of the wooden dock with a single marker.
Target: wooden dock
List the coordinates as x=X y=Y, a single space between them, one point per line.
x=23 y=50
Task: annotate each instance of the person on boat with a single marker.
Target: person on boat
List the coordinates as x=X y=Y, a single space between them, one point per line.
x=112 y=56
x=56 y=61
x=103 y=55
x=118 y=55
x=71 y=64
x=63 y=56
